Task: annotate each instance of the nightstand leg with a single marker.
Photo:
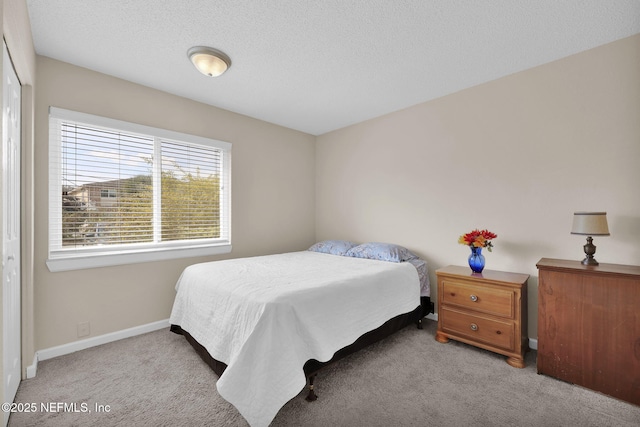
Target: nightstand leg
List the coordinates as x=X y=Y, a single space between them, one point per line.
x=441 y=338
x=516 y=363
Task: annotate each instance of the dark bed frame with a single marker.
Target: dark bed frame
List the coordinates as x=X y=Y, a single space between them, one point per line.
x=312 y=366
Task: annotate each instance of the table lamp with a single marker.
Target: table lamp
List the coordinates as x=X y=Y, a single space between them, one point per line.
x=590 y=224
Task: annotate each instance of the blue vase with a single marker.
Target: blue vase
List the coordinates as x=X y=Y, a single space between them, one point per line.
x=476 y=260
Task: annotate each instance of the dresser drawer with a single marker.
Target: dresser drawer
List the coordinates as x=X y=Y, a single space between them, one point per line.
x=481 y=298
x=479 y=329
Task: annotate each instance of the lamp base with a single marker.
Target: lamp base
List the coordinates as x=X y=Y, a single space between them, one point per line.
x=590 y=261
x=589 y=250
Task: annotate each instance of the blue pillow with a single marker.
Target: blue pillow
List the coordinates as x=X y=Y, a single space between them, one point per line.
x=333 y=247
x=382 y=252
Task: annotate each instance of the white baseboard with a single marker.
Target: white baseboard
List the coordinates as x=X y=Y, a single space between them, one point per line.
x=60 y=350
x=33 y=368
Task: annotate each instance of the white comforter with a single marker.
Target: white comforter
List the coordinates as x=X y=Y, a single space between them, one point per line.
x=266 y=316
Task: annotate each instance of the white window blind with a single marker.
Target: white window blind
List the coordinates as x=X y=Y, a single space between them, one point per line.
x=118 y=189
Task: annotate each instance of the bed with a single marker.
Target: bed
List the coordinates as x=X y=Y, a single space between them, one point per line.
x=267 y=324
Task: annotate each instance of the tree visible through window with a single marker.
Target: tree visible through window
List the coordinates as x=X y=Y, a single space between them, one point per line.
x=118 y=187
x=190 y=192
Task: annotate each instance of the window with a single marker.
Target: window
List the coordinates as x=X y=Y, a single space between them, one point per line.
x=122 y=193
x=108 y=193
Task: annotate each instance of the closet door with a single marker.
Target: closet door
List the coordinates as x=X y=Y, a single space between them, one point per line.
x=11 y=191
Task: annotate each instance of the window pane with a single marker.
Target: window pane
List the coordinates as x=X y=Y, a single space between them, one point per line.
x=191 y=187
x=107 y=191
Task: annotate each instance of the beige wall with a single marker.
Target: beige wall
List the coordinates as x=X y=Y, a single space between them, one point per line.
x=517 y=156
x=273 y=173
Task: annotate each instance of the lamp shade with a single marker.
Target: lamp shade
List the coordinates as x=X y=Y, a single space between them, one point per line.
x=590 y=224
x=210 y=62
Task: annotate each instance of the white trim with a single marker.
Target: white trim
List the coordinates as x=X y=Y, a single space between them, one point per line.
x=61 y=350
x=55 y=189
x=33 y=368
x=109 y=123
x=69 y=348
x=132 y=257
x=157 y=193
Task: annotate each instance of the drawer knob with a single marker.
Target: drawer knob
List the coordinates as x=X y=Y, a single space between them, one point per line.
x=474 y=298
x=474 y=327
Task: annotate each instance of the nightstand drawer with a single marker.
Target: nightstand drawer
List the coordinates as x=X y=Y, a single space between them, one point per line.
x=479 y=329
x=481 y=298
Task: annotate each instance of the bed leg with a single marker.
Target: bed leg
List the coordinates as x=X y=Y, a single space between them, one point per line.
x=419 y=324
x=312 y=394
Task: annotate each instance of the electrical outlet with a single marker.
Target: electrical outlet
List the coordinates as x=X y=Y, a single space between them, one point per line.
x=83 y=329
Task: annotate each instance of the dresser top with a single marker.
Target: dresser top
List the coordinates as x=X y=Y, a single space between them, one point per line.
x=576 y=266
x=497 y=276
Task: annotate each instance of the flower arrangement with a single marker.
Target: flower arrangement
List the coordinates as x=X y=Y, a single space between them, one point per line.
x=478 y=239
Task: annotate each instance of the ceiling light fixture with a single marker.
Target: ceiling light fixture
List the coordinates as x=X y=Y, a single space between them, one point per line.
x=210 y=62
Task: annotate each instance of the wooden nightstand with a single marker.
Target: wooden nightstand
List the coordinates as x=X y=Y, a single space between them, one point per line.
x=487 y=310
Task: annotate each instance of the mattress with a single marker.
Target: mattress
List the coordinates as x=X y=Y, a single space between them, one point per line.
x=264 y=317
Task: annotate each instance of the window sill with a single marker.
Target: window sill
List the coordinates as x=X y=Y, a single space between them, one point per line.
x=84 y=261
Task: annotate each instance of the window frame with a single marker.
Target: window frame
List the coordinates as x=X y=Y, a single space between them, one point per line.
x=65 y=259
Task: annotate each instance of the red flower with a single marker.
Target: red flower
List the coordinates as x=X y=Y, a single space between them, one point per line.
x=478 y=239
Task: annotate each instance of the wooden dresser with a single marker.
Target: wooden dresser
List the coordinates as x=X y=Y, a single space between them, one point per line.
x=487 y=310
x=589 y=326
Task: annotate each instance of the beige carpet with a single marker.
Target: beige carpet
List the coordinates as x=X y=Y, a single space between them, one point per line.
x=408 y=379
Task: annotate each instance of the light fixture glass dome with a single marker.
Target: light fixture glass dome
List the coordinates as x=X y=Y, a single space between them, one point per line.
x=210 y=62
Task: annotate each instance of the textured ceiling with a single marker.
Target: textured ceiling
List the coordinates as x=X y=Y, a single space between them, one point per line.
x=319 y=65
